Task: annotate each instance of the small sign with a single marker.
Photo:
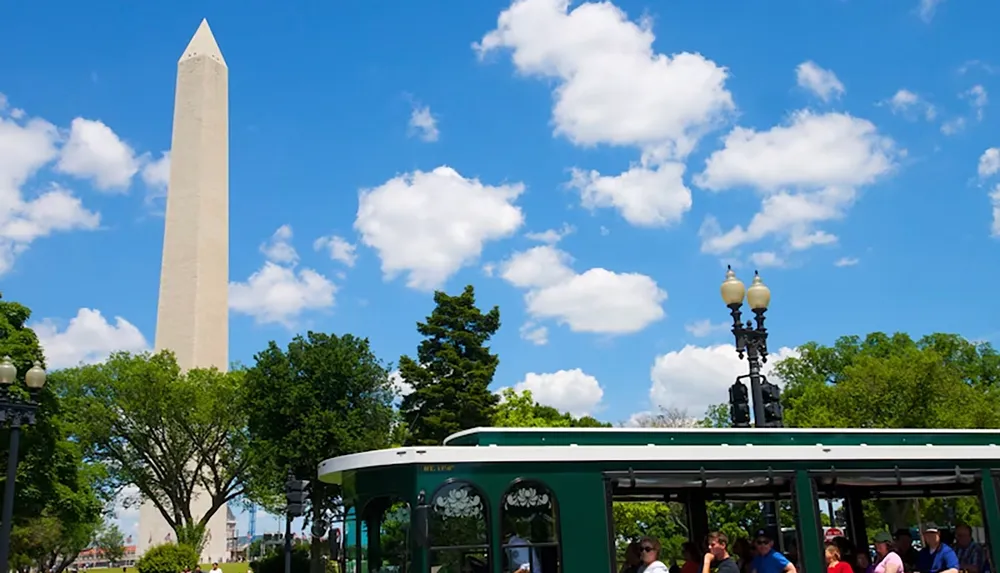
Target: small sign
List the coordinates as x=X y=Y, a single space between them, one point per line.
x=833 y=532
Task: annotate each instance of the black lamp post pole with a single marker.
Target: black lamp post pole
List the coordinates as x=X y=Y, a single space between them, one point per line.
x=751 y=340
x=8 y=498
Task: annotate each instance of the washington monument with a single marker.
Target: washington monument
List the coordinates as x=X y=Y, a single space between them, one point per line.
x=192 y=317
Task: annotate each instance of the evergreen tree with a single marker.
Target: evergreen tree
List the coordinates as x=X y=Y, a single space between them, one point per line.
x=453 y=370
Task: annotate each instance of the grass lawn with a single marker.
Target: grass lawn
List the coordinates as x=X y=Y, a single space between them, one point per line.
x=226 y=568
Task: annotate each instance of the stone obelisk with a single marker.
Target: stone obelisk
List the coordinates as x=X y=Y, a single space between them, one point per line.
x=193 y=314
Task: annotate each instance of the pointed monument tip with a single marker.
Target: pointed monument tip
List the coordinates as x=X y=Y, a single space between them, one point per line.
x=203 y=44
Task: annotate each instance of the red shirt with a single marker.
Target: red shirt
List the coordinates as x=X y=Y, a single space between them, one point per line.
x=840 y=567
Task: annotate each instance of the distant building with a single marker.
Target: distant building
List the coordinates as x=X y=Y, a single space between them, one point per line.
x=94 y=557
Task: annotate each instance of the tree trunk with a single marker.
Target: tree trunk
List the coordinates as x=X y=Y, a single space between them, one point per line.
x=316 y=564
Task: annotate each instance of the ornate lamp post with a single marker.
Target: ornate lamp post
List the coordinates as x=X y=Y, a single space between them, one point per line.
x=15 y=411
x=751 y=340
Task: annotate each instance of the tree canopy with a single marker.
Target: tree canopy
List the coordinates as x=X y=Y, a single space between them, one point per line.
x=165 y=432
x=60 y=496
x=453 y=370
x=519 y=410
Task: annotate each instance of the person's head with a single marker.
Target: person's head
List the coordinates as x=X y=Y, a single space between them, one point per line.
x=633 y=553
x=932 y=536
x=718 y=544
x=650 y=548
x=963 y=535
x=884 y=543
x=832 y=553
x=863 y=559
x=215 y=565
x=763 y=542
x=903 y=539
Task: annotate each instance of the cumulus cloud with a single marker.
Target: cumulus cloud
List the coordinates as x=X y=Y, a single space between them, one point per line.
x=423 y=124
x=26 y=146
x=911 y=106
x=93 y=151
x=278 y=292
x=611 y=87
x=705 y=327
x=430 y=224
x=808 y=172
x=598 y=300
x=87 y=339
x=572 y=391
x=823 y=83
x=695 y=377
x=338 y=248
x=989 y=162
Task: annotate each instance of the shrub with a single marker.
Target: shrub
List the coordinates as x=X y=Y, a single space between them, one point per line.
x=275 y=562
x=167 y=558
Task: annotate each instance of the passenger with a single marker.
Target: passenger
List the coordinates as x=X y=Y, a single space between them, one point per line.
x=936 y=557
x=863 y=562
x=905 y=550
x=744 y=554
x=633 y=558
x=650 y=548
x=692 y=558
x=845 y=547
x=833 y=561
x=768 y=560
x=971 y=556
x=718 y=554
x=888 y=560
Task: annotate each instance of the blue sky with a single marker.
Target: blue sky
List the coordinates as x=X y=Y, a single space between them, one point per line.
x=845 y=149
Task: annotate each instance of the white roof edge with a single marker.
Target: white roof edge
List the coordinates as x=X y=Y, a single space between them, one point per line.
x=444 y=455
x=463 y=433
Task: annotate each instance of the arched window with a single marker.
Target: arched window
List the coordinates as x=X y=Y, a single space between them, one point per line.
x=388 y=536
x=530 y=522
x=459 y=530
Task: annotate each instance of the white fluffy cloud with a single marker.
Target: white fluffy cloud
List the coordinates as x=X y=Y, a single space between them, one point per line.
x=551 y=236
x=424 y=124
x=26 y=146
x=533 y=333
x=978 y=99
x=93 y=151
x=705 y=327
x=571 y=391
x=598 y=300
x=156 y=174
x=338 y=248
x=430 y=224
x=613 y=88
x=764 y=259
x=278 y=293
x=88 y=338
x=695 y=377
x=995 y=204
x=646 y=197
x=910 y=105
x=821 y=82
x=846 y=262
x=989 y=162
x=808 y=172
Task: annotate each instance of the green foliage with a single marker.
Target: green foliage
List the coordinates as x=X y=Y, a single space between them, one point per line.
x=111 y=542
x=167 y=558
x=884 y=381
x=453 y=370
x=162 y=431
x=59 y=497
x=519 y=410
x=716 y=416
x=275 y=561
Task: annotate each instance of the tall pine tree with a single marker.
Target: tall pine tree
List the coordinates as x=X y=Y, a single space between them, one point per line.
x=453 y=370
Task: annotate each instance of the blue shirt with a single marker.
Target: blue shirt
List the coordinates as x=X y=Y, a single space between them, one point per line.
x=943 y=558
x=772 y=562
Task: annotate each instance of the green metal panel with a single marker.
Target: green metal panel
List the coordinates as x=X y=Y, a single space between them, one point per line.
x=807 y=523
x=708 y=437
x=991 y=508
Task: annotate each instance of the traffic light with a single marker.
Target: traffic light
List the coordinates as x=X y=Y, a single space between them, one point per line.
x=739 y=405
x=295 y=497
x=773 y=415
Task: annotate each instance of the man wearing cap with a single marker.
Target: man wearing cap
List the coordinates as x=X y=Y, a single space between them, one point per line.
x=936 y=557
x=767 y=559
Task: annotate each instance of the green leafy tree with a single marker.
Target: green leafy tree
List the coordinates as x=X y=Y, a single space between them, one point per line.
x=59 y=498
x=167 y=558
x=519 y=410
x=111 y=543
x=453 y=370
x=324 y=396
x=165 y=432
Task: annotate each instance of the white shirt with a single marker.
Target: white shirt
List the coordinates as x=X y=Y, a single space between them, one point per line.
x=520 y=557
x=655 y=567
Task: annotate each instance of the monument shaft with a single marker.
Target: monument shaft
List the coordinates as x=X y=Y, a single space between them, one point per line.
x=193 y=314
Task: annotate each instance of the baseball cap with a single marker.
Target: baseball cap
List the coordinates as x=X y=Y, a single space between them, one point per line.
x=883 y=537
x=762 y=534
x=931 y=528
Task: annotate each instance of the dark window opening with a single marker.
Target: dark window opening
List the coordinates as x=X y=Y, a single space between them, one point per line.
x=530 y=528
x=459 y=530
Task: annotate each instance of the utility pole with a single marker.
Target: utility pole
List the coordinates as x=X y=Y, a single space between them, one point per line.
x=295 y=499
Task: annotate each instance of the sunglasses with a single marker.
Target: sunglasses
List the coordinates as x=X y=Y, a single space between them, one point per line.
x=648 y=549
